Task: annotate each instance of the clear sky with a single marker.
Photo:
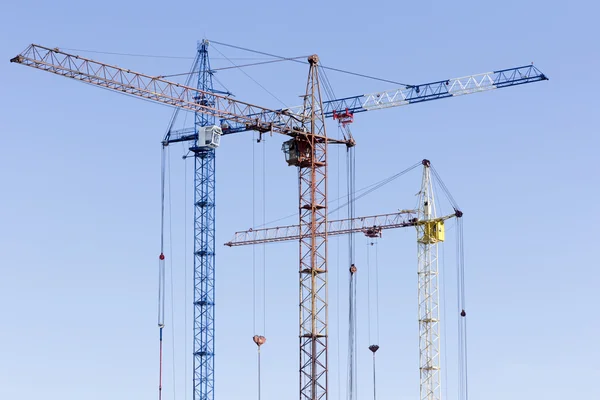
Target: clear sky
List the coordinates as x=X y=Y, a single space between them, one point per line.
x=80 y=205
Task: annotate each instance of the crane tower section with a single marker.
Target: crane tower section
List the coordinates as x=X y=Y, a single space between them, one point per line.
x=308 y=151
x=207 y=137
x=430 y=231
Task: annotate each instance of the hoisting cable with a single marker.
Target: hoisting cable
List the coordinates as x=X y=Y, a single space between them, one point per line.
x=171 y=252
x=253 y=224
x=259 y=340
x=185 y=269
x=352 y=364
x=462 y=320
x=444 y=301
x=161 y=274
x=337 y=284
x=264 y=245
x=377 y=288
x=460 y=293
x=374 y=347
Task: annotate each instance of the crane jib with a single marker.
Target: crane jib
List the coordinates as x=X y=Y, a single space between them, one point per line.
x=437 y=90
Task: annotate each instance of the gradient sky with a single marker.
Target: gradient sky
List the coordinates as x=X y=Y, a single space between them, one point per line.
x=80 y=205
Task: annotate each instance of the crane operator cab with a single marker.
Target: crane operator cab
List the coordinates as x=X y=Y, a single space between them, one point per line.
x=297 y=152
x=209 y=136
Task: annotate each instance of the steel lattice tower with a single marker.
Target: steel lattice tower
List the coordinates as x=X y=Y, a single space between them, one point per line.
x=204 y=239
x=312 y=173
x=429 y=312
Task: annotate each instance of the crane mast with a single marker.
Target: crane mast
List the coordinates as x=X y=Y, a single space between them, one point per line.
x=428 y=235
x=312 y=173
x=204 y=238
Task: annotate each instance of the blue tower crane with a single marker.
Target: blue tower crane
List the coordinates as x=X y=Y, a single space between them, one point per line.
x=203 y=149
x=204 y=240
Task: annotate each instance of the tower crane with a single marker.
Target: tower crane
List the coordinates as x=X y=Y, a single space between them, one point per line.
x=204 y=226
x=430 y=232
x=307 y=150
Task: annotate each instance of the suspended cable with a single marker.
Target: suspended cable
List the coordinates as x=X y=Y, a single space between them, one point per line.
x=352 y=345
x=264 y=213
x=366 y=76
x=171 y=252
x=444 y=326
x=233 y=67
x=259 y=341
x=326 y=85
x=259 y=63
x=369 y=244
x=154 y=55
x=462 y=322
x=337 y=283
x=128 y=54
x=305 y=62
x=352 y=372
x=185 y=275
x=372 y=242
x=161 y=273
x=377 y=288
x=252 y=79
x=379 y=184
x=363 y=192
x=253 y=224
x=175 y=113
x=445 y=189
x=374 y=349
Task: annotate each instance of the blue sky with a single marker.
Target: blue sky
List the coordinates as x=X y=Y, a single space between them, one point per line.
x=80 y=204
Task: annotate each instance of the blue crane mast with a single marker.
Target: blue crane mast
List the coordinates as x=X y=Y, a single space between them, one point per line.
x=203 y=144
x=204 y=240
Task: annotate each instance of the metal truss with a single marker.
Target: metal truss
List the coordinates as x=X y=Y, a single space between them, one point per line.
x=368 y=224
x=157 y=89
x=435 y=90
x=204 y=240
x=413 y=94
x=428 y=308
x=313 y=247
